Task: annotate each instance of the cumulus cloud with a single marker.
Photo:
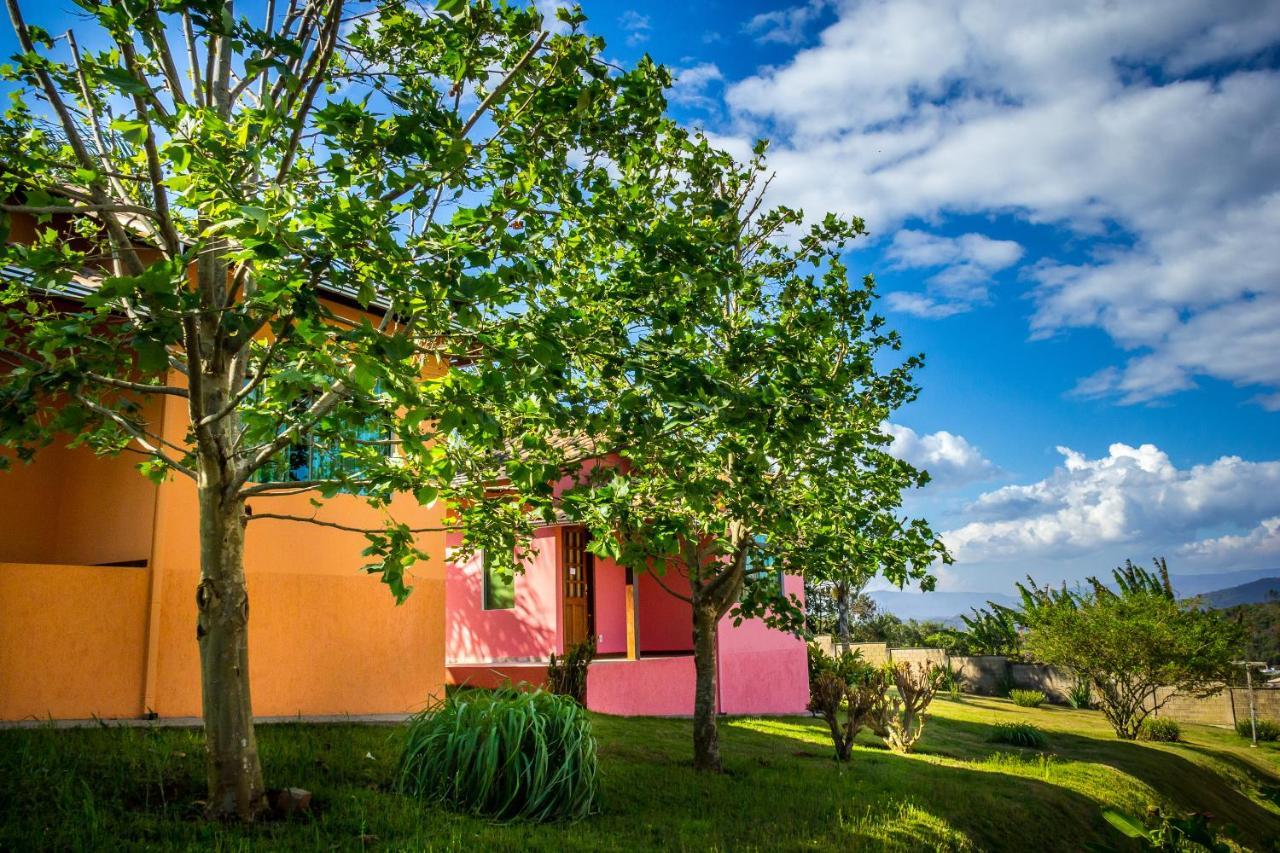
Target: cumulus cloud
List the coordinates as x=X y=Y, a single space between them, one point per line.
x=1133 y=496
x=1144 y=126
x=949 y=458
x=786 y=26
x=692 y=86
x=968 y=263
x=1261 y=541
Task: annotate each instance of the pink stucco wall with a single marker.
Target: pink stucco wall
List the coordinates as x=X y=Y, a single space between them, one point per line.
x=610 y=608
x=649 y=687
x=763 y=671
x=666 y=622
x=528 y=631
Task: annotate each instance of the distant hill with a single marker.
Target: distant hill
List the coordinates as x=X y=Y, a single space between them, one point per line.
x=948 y=606
x=1254 y=592
x=943 y=606
x=1189 y=585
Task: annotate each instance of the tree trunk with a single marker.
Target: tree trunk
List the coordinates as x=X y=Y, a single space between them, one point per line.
x=222 y=629
x=842 y=615
x=706 y=733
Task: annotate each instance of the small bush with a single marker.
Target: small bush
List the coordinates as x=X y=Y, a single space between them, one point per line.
x=504 y=754
x=1079 y=696
x=1018 y=734
x=1159 y=729
x=1267 y=729
x=567 y=676
x=1027 y=698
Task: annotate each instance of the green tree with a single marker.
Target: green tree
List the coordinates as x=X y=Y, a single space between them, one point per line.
x=748 y=403
x=1129 y=641
x=225 y=176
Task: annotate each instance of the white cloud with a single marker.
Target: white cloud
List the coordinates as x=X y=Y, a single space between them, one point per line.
x=692 y=85
x=1262 y=541
x=949 y=458
x=969 y=261
x=636 y=25
x=786 y=26
x=1133 y=497
x=1079 y=116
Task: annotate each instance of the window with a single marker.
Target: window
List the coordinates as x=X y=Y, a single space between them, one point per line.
x=499 y=586
x=760 y=570
x=319 y=458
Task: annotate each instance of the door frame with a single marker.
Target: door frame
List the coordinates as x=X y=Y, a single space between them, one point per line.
x=589 y=576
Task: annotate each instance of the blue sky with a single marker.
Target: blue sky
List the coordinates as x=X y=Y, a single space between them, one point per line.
x=1075 y=215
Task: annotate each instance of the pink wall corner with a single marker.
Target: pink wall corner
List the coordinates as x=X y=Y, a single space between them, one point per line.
x=528 y=631
x=762 y=670
x=610 y=607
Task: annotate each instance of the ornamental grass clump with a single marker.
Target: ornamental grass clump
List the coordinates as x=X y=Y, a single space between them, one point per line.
x=1027 y=698
x=504 y=754
x=1018 y=734
x=1159 y=729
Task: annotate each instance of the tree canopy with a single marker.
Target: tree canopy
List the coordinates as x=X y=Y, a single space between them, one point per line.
x=1130 y=641
x=361 y=230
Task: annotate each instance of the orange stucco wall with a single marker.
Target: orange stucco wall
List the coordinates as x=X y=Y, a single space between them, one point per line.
x=78 y=640
x=72 y=640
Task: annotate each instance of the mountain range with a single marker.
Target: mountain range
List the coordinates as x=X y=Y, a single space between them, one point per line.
x=1221 y=589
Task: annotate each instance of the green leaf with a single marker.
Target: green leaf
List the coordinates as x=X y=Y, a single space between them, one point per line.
x=134 y=130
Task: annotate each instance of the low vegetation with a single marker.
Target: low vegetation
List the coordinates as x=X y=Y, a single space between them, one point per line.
x=1018 y=734
x=1160 y=729
x=1027 y=698
x=113 y=788
x=1268 y=730
x=567 y=674
x=505 y=754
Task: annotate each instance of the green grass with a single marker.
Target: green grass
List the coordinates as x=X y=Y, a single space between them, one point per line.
x=139 y=788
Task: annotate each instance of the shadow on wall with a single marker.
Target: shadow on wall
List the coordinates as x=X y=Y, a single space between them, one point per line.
x=524 y=632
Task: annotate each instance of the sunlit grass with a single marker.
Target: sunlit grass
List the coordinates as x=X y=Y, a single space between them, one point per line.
x=139 y=788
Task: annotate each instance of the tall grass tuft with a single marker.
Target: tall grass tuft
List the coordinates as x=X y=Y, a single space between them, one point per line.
x=504 y=754
x=1027 y=698
x=1018 y=734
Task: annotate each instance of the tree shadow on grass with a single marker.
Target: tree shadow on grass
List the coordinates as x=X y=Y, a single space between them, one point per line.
x=1191 y=786
x=883 y=797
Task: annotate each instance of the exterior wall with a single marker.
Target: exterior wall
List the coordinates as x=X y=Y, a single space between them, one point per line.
x=666 y=622
x=1054 y=683
x=530 y=631
x=981 y=674
x=920 y=657
x=52 y=508
x=763 y=671
x=89 y=660
x=649 y=687
x=1222 y=709
x=324 y=638
x=610 y=604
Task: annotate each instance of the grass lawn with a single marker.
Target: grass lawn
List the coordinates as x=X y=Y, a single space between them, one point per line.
x=123 y=788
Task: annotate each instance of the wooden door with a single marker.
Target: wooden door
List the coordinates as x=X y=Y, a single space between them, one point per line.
x=577 y=572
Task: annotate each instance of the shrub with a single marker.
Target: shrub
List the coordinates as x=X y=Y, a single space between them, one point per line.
x=505 y=754
x=1159 y=729
x=1079 y=696
x=1018 y=734
x=900 y=719
x=1267 y=729
x=567 y=676
x=860 y=697
x=1027 y=698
